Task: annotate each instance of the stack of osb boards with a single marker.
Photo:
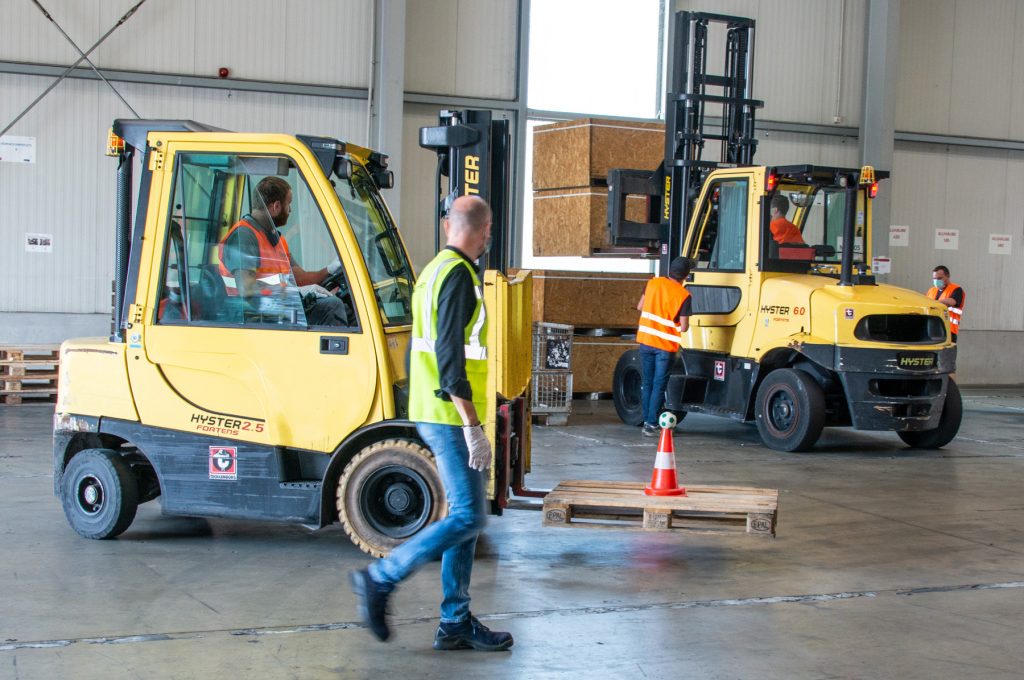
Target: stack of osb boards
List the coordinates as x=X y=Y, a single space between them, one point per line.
x=571 y=160
x=590 y=301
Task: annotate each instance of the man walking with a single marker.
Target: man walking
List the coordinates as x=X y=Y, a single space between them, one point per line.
x=664 y=316
x=447 y=397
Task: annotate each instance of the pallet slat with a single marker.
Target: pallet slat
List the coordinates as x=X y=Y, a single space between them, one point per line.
x=623 y=505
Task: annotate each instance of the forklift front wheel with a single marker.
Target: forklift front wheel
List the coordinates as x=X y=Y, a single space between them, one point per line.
x=100 y=493
x=949 y=424
x=790 y=410
x=389 y=491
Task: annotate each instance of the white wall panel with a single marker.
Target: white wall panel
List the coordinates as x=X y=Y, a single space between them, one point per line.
x=804 y=51
x=925 y=65
x=464 y=48
x=69 y=191
x=962 y=68
x=29 y=36
x=324 y=42
x=787 y=148
x=976 y=192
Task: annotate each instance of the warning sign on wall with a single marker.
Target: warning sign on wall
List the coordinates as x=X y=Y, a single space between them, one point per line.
x=1000 y=244
x=899 y=235
x=947 y=239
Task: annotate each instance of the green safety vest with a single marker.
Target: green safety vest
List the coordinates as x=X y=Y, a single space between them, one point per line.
x=424 y=376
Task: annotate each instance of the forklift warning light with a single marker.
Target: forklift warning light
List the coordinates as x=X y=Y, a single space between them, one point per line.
x=773 y=179
x=873 y=190
x=115 y=145
x=867 y=174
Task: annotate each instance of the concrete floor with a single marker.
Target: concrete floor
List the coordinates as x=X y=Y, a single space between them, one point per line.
x=889 y=563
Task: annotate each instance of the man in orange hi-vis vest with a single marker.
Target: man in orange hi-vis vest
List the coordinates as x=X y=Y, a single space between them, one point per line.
x=949 y=294
x=664 y=315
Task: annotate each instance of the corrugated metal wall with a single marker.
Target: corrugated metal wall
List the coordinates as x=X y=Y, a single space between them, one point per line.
x=324 y=42
x=962 y=73
x=464 y=48
x=807 y=52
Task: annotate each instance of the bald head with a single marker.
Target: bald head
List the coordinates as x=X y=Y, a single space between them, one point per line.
x=468 y=225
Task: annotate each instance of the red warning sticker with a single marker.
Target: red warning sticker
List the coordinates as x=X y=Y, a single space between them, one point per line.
x=719 y=370
x=223 y=462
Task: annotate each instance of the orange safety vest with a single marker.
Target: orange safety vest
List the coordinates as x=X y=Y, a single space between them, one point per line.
x=663 y=299
x=954 y=312
x=784 y=231
x=274 y=269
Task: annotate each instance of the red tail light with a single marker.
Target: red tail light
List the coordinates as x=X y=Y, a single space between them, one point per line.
x=873 y=189
x=772 y=181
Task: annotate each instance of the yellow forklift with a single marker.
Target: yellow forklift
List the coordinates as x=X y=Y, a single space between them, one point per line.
x=789 y=331
x=259 y=407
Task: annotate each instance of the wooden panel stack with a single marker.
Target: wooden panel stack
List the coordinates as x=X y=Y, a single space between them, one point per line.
x=571 y=160
x=589 y=301
x=29 y=373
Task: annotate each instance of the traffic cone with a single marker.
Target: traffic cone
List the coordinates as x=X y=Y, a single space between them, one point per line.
x=663 y=481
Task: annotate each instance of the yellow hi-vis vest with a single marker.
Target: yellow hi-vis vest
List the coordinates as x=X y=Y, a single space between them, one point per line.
x=424 y=376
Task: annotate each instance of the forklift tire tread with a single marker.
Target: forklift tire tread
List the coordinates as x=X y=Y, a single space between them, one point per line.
x=949 y=424
x=100 y=494
x=389 y=491
x=626 y=382
x=790 y=410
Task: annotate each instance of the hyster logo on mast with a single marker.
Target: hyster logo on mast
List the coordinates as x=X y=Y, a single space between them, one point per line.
x=472 y=175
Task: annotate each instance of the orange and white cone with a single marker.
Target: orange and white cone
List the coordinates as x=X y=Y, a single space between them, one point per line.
x=663 y=481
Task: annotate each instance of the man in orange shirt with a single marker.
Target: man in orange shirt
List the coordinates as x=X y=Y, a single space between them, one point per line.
x=665 y=310
x=783 y=231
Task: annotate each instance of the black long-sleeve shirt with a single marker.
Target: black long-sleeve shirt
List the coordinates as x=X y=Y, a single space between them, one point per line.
x=455 y=305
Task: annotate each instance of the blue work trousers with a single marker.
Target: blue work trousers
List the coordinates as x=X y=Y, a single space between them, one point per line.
x=453 y=538
x=654 y=365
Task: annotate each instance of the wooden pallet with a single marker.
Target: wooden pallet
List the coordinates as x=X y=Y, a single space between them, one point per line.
x=623 y=505
x=29 y=373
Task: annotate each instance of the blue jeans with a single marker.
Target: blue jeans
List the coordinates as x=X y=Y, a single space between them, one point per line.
x=654 y=364
x=453 y=539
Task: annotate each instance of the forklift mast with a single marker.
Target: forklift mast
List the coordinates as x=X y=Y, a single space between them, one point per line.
x=473 y=153
x=672 y=189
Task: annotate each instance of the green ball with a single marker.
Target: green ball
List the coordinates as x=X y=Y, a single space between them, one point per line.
x=667 y=420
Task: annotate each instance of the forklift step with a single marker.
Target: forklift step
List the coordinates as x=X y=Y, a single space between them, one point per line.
x=623 y=505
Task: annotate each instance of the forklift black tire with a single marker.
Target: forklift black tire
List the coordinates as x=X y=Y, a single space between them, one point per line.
x=388 y=492
x=626 y=383
x=949 y=424
x=100 y=494
x=790 y=410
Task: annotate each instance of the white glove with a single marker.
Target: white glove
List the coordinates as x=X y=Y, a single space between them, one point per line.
x=333 y=267
x=316 y=290
x=479 y=447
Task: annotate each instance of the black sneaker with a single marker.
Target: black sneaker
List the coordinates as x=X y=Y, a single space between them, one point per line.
x=651 y=430
x=373 y=603
x=470 y=634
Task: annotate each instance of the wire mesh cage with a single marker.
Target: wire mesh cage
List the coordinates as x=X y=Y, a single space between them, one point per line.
x=552 y=346
x=552 y=392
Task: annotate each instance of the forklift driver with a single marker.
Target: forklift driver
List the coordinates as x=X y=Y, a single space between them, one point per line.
x=784 y=231
x=256 y=264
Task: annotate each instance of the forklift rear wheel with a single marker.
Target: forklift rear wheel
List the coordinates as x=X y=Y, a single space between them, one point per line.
x=949 y=424
x=389 y=491
x=99 y=493
x=626 y=383
x=790 y=410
